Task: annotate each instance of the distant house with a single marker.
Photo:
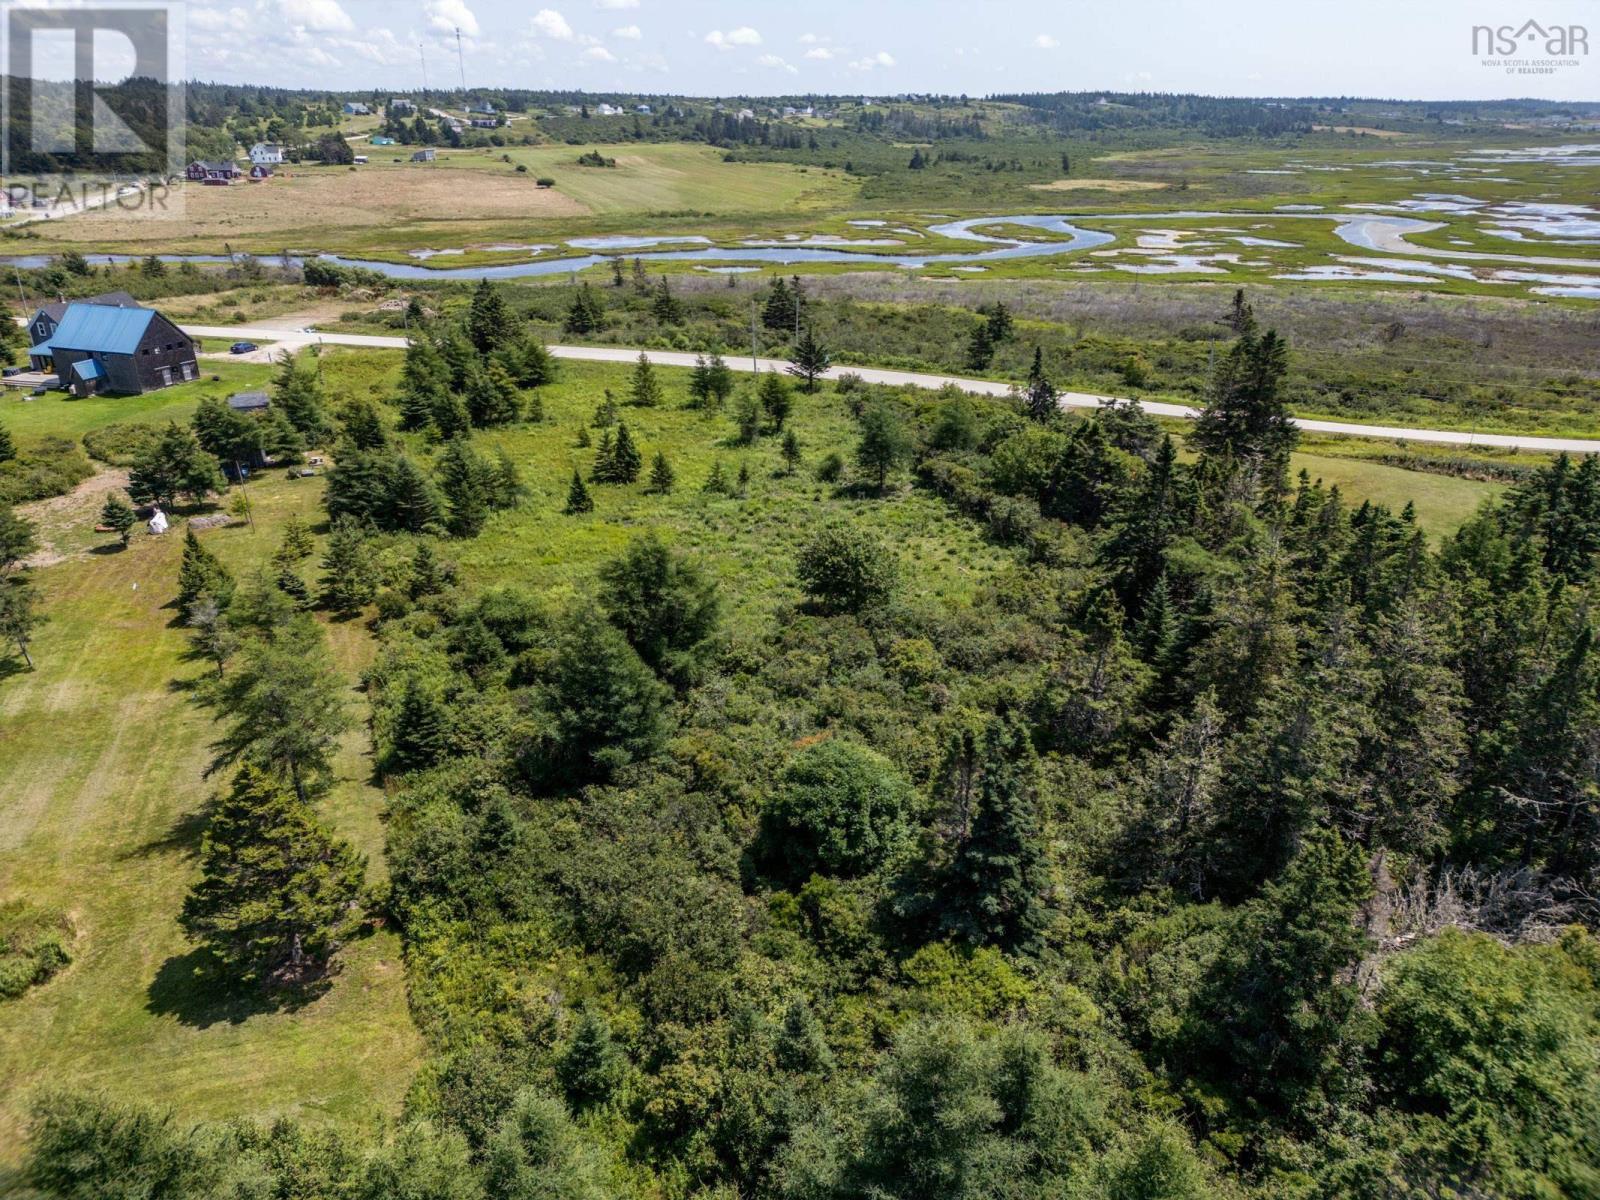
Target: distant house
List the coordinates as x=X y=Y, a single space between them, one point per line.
x=260 y=171
x=358 y=158
x=250 y=402
x=199 y=171
x=380 y=140
x=105 y=348
x=485 y=123
x=266 y=154
x=352 y=109
x=43 y=322
x=608 y=110
x=642 y=108
x=401 y=105
x=481 y=108
x=426 y=154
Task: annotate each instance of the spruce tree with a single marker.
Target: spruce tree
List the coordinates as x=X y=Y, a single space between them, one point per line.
x=297 y=393
x=428 y=576
x=810 y=359
x=578 y=498
x=883 y=445
x=277 y=888
x=980 y=348
x=424 y=384
x=775 y=399
x=1247 y=417
x=664 y=306
x=489 y=325
x=411 y=499
x=463 y=478
x=591 y=1067
x=716 y=483
x=662 y=476
x=791 y=452
x=586 y=314
x=994 y=891
x=201 y=573
x=118 y=516
x=778 y=312
x=348 y=576
x=492 y=397
x=626 y=461
x=8 y=448
x=297 y=543
x=644 y=388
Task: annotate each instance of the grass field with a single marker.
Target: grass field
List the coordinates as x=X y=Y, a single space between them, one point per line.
x=1442 y=502
x=100 y=800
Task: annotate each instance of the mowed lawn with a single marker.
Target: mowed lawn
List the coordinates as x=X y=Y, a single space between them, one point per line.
x=1443 y=502
x=101 y=808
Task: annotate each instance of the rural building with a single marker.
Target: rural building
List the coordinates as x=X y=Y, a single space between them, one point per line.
x=380 y=140
x=609 y=110
x=105 y=348
x=249 y=402
x=424 y=155
x=260 y=171
x=485 y=123
x=200 y=172
x=266 y=154
x=353 y=109
x=402 y=105
x=42 y=325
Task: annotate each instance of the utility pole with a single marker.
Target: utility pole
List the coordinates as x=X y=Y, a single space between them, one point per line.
x=462 y=63
x=422 y=51
x=754 y=365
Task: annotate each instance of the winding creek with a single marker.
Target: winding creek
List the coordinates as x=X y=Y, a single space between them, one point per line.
x=1384 y=234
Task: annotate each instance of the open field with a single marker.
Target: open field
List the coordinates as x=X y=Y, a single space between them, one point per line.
x=100 y=802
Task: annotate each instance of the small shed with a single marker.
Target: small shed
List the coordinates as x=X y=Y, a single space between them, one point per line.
x=249 y=402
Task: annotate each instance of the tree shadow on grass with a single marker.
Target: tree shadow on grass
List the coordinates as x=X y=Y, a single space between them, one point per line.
x=182 y=837
x=192 y=989
x=12 y=665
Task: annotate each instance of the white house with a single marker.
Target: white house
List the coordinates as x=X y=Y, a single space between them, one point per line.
x=608 y=110
x=266 y=154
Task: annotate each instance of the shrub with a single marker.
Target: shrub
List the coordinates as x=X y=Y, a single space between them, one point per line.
x=120 y=444
x=844 y=569
x=840 y=809
x=33 y=946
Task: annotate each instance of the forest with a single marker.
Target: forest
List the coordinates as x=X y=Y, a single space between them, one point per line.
x=1231 y=839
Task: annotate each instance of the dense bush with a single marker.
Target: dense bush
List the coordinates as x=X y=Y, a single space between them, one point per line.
x=33 y=946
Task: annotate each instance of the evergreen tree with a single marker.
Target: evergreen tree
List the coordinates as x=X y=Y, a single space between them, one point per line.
x=644 y=388
x=994 y=889
x=883 y=445
x=19 y=613
x=212 y=636
x=297 y=393
x=626 y=461
x=1043 y=401
x=424 y=384
x=8 y=448
x=464 y=479
x=118 y=516
x=997 y=321
x=791 y=452
x=18 y=537
x=348 y=574
x=420 y=727
x=779 y=310
x=410 y=498
x=748 y=417
x=662 y=476
x=591 y=1067
x=489 y=325
x=586 y=314
x=716 y=483
x=604 y=467
x=810 y=359
x=1247 y=419
x=284 y=707
x=529 y=363
x=429 y=577
x=578 y=498
x=174 y=465
x=776 y=401
x=980 y=348
x=201 y=573
x=665 y=605
x=537 y=1154
x=492 y=397
x=664 y=306
x=277 y=889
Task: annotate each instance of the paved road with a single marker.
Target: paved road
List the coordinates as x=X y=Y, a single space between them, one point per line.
x=296 y=339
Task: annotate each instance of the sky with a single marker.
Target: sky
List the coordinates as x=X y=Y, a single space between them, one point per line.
x=1406 y=49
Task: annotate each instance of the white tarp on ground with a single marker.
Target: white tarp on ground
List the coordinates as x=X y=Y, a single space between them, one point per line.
x=158 y=523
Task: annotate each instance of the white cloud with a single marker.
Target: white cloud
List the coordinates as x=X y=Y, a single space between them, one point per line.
x=627 y=33
x=809 y=39
x=212 y=19
x=446 y=16
x=777 y=63
x=616 y=3
x=881 y=59
x=1046 y=42
x=322 y=16
x=742 y=36
x=819 y=52
x=599 y=54
x=548 y=23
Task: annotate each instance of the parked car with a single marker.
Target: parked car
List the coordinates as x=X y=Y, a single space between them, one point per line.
x=242 y=347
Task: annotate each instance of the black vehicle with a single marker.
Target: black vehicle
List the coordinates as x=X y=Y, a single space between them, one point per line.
x=242 y=348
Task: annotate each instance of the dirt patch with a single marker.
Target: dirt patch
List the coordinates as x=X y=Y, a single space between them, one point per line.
x=63 y=521
x=1366 y=129
x=321 y=199
x=1098 y=185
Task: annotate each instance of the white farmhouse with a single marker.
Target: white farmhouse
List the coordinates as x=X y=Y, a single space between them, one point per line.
x=266 y=154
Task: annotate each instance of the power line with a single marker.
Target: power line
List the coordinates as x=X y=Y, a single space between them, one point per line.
x=461 y=62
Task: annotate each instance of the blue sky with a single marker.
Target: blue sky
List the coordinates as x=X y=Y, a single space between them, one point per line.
x=1418 y=49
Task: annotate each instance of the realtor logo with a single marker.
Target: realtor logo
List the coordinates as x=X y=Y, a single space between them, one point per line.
x=1530 y=48
x=92 y=90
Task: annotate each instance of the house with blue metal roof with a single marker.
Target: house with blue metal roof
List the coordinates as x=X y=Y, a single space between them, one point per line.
x=106 y=348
